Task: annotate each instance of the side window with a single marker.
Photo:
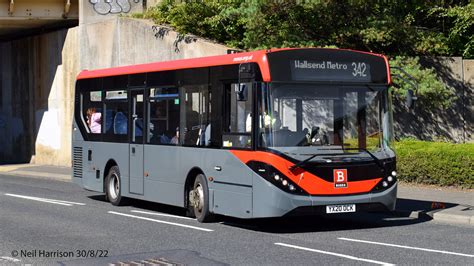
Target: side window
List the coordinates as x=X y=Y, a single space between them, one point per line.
x=163 y=104
x=92 y=111
x=116 y=115
x=195 y=129
x=238 y=132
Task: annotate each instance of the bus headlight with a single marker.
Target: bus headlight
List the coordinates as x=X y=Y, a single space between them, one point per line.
x=272 y=175
x=386 y=182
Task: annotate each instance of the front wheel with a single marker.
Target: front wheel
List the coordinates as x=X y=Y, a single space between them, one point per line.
x=113 y=186
x=199 y=199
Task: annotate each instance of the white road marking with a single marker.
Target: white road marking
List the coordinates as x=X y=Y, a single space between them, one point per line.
x=53 y=201
x=67 y=202
x=163 y=214
x=407 y=247
x=9 y=259
x=334 y=254
x=39 y=199
x=159 y=221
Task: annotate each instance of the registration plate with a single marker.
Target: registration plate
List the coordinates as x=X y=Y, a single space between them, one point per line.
x=340 y=208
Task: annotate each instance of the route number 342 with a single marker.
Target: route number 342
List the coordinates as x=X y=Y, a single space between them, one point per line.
x=359 y=69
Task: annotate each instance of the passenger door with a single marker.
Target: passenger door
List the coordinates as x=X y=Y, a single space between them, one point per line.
x=137 y=132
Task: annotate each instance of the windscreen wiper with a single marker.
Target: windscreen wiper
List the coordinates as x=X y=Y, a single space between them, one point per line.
x=376 y=160
x=301 y=163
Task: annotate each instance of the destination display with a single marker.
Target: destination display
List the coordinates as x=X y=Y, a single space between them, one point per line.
x=328 y=66
x=327 y=70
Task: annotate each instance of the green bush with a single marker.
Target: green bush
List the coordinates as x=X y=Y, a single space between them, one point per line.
x=438 y=163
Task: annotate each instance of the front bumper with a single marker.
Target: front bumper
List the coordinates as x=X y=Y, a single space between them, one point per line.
x=269 y=201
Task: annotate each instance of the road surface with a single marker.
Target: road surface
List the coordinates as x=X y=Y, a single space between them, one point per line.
x=48 y=221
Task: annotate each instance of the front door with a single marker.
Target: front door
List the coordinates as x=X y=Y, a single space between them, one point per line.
x=137 y=128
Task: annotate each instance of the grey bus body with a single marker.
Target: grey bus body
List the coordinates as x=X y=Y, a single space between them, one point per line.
x=244 y=195
x=164 y=173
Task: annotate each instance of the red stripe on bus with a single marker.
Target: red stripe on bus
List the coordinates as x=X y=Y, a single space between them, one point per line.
x=309 y=182
x=259 y=57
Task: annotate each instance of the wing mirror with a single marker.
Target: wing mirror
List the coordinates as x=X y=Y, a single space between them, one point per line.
x=410 y=99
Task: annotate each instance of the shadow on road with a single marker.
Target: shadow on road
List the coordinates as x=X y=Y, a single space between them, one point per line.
x=411 y=205
x=323 y=223
x=146 y=205
x=308 y=223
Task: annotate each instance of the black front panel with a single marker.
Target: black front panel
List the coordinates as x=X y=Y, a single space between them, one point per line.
x=355 y=171
x=327 y=65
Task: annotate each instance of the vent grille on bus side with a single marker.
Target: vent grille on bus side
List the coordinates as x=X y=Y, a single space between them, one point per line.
x=77 y=162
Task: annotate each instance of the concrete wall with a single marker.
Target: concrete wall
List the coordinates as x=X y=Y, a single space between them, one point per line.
x=53 y=140
x=91 y=11
x=38 y=73
x=455 y=123
x=34 y=107
x=124 y=41
x=468 y=78
x=152 y=3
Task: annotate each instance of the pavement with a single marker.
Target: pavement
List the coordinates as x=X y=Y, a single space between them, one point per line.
x=38 y=171
x=446 y=205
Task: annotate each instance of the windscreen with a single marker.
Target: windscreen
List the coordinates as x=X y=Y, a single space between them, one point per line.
x=327 y=119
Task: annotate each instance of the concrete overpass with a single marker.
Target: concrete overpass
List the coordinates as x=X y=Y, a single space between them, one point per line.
x=19 y=18
x=43 y=46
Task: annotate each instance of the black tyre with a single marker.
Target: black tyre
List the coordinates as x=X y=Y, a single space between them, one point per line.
x=113 y=186
x=199 y=199
x=190 y=208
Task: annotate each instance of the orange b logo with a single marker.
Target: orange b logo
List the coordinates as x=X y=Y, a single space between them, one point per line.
x=340 y=178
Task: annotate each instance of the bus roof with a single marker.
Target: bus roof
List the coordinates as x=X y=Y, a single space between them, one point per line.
x=259 y=57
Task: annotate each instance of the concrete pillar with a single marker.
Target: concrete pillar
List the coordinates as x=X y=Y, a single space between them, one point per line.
x=7 y=127
x=37 y=79
x=468 y=79
x=54 y=113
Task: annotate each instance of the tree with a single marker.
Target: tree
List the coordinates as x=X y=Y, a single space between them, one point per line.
x=460 y=28
x=400 y=29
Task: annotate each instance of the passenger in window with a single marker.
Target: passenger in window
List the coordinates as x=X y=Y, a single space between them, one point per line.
x=175 y=139
x=94 y=120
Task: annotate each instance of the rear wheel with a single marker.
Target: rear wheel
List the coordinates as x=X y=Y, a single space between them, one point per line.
x=113 y=186
x=199 y=199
